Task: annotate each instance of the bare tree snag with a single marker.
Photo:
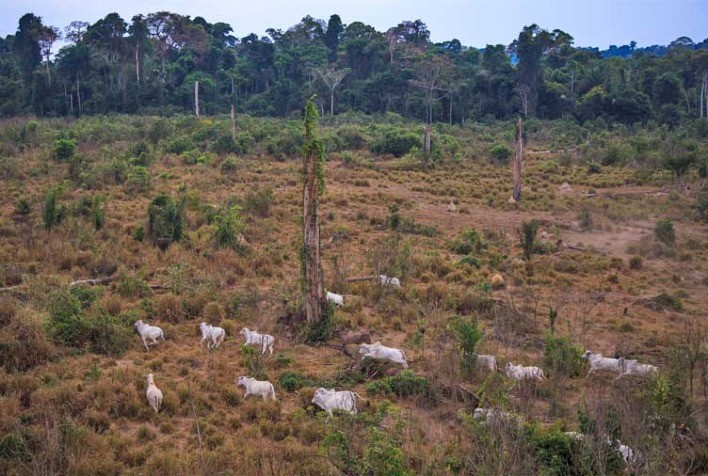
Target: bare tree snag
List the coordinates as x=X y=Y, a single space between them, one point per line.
x=233 y=124
x=196 y=98
x=313 y=151
x=426 y=141
x=517 y=162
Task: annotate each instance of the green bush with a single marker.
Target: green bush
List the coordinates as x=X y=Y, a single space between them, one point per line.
x=66 y=324
x=106 y=334
x=165 y=220
x=292 y=381
x=63 y=149
x=468 y=242
x=471 y=261
x=560 y=357
x=86 y=295
x=229 y=165
x=527 y=236
x=702 y=204
x=500 y=154
x=138 y=179
x=227 y=227
x=405 y=384
x=468 y=334
x=258 y=203
x=553 y=449
x=52 y=212
x=664 y=232
x=396 y=142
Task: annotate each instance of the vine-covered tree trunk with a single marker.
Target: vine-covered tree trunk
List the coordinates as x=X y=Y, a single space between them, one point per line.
x=313 y=151
x=517 y=162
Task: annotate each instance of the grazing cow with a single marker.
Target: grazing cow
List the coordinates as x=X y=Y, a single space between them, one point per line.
x=335 y=298
x=488 y=362
x=378 y=351
x=147 y=331
x=215 y=334
x=633 y=367
x=496 y=416
x=598 y=362
x=519 y=372
x=154 y=395
x=262 y=388
x=329 y=400
x=388 y=281
x=354 y=337
x=266 y=341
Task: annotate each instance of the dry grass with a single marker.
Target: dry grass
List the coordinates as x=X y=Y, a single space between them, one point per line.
x=68 y=406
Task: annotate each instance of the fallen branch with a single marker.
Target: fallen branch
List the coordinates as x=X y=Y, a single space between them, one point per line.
x=92 y=282
x=362 y=278
x=12 y=288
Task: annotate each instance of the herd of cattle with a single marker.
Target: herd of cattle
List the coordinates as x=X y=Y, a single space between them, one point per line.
x=345 y=400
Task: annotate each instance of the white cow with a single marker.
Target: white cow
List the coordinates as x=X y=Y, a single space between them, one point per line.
x=147 y=331
x=598 y=362
x=154 y=395
x=494 y=415
x=519 y=372
x=633 y=367
x=329 y=400
x=378 y=351
x=261 y=388
x=210 y=333
x=335 y=298
x=389 y=281
x=488 y=362
x=266 y=341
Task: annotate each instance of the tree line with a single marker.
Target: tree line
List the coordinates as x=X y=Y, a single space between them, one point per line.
x=150 y=66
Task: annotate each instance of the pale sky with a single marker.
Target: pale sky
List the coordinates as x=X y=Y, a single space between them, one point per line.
x=474 y=22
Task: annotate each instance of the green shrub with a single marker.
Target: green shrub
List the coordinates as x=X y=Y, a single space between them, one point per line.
x=527 y=236
x=405 y=384
x=23 y=207
x=468 y=242
x=635 y=262
x=106 y=334
x=52 y=212
x=229 y=165
x=86 y=295
x=258 y=203
x=664 y=232
x=553 y=449
x=63 y=149
x=292 y=381
x=98 y=215
x=471 y=261
x=66 y=324
x=138 y=179
x=663 y=301
x=227 y=227
x=468 y=334
x=396 y=142
x=594 y=167
x=500 y=154
x=702 y=204
x=585 y=219
x=165 y=220
x=560 y=357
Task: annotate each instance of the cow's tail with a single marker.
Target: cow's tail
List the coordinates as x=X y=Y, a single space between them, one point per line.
x=272 y=391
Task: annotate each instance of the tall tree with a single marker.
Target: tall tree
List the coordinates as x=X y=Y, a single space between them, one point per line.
x=313 y=173
x=332 y=35
x=332 y=77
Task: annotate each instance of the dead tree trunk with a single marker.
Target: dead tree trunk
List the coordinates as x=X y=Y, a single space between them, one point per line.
x=517 y=162
x=315 y=304
x=426 y=143
x=196 y=98
x=233 y=124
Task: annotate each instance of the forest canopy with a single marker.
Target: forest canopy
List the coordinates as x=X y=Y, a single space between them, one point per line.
x=149 y=64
